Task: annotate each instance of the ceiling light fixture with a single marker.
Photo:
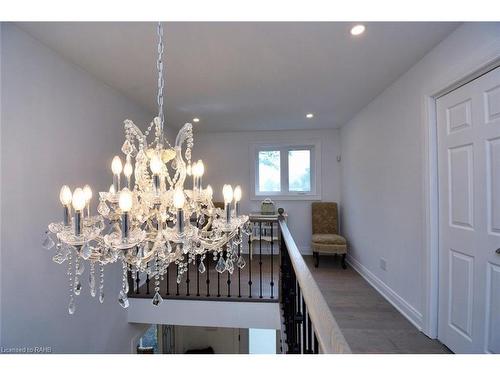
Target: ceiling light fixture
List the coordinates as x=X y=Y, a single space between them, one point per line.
x=196 y=119
x=358 y=30
x=310 y=115
x=151 y=221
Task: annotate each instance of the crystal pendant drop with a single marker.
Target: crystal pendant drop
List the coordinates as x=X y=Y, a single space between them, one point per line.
x=101 y=295
x=221 y=265
x=78 y=287
x=127 y=147
x=60 y=257
x=201 y=221
x=103 y=208
x=71 y=306
x=123 y=299
x=48 y=242
x=126 y=288
x=229 y=266
x=241 y=262
x=86 y=251
x=157 y=300
x=80 y=269
x=201 y=267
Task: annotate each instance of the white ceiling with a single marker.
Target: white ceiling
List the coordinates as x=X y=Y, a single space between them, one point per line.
x=247 y=76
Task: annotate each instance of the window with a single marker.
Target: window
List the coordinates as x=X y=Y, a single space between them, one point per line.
x=286 y=171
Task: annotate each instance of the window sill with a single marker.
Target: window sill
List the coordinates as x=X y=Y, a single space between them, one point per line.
x=298 y=197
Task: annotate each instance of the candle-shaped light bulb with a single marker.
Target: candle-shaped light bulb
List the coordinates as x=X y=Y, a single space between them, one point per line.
x=112 y=189
x=127 y=171
x=201 y=168
x=155 y=164
x=116 y=165
x=125 y=200
x=179 y=200
x=189 y=171
x=227 y=192
x=87 y=191
x=78 y=200
x=209 y=191
x=125 y=204
x=237 y=193
x=65 y=195
x=237 y=198
x=195 y=170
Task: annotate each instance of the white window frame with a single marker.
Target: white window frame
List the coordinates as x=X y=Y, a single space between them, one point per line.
x=315 y=153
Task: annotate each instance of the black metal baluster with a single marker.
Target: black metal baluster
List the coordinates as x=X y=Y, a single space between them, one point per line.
x=229 y=274
x=304 y=326
x=316 y=345
x=218 y=276
x=176 y=283
x=272 y=261
x=260 y=259
x=168 y=279
x=208 y=274
x=137 y=282
x=147 y=279
x=198 y=261
x=187 y=278
x=309 y=335
x=250 y=265
x=298 y=319
x=239 y=270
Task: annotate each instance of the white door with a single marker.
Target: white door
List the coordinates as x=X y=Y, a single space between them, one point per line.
x=469 y=216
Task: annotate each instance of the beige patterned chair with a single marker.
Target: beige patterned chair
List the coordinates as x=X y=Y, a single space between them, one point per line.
x=325 y=232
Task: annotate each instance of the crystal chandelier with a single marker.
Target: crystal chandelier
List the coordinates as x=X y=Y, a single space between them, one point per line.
x=150 y=220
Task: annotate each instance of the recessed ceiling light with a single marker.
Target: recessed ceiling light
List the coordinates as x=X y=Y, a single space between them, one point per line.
x=310 y=115
x=358 y=29
x=196 y=119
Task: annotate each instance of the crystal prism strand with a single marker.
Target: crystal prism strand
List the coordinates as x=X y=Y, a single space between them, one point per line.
x=101 y=284
x=157 y=300
x=92 y=279
x=77 y=283
x=71 y=305
x=122 y=297
x=48 y=242
x=201 y=267
x=80 y=269
x=221 y=265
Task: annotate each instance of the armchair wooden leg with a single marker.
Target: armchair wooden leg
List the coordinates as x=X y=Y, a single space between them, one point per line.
x=344 y=265
x=316 y=259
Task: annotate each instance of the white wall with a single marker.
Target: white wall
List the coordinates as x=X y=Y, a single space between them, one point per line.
x=227 y=160
x=59 y=126
x=383 y=164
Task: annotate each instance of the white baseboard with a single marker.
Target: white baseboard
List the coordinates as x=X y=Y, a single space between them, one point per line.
x=408 y=311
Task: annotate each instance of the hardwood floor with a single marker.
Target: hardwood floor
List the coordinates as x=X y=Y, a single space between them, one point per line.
x=369 y=323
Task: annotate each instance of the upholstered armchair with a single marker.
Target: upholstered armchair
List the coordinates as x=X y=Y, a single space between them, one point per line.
x=325 y=232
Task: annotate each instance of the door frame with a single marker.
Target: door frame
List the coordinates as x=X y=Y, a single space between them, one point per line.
x=461 y=75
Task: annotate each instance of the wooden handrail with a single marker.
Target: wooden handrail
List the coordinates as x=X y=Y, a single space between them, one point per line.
x=330 y=338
